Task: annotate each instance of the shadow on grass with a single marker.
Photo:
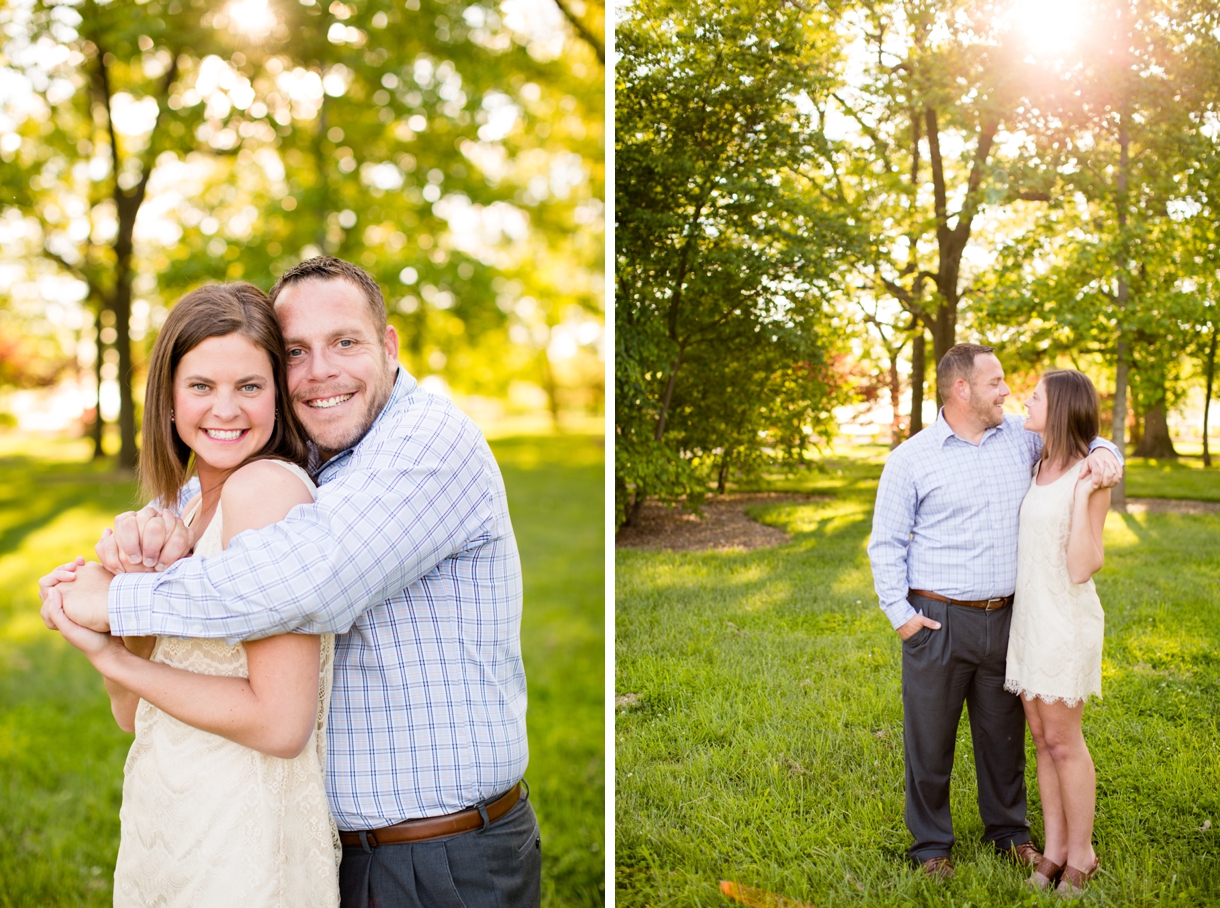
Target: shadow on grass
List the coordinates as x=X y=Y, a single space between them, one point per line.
x=762 y=738
x=61 y=756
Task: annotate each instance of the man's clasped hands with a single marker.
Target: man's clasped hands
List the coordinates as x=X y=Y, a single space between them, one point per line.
x=141 y=541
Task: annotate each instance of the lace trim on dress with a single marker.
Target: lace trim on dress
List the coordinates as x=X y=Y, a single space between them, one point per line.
x=1014 y=687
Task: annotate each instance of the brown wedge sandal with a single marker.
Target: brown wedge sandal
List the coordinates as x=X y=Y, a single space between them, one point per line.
x=1045 y=874
x=1073 y=881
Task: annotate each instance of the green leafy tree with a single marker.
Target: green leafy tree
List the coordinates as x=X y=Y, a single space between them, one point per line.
x=716 y=245
x=747 y=406
x=935 y=85
x=1115 y=131
x=99 y=77
x=452 y=151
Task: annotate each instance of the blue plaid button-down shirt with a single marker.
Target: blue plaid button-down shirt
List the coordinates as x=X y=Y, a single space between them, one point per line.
x=409 y=557
x=947 y=514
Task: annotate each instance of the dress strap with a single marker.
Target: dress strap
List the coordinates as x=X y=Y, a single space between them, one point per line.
x=193 y=513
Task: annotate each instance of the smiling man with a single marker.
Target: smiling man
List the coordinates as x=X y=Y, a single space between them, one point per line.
x=944 y=559
x=409 y=556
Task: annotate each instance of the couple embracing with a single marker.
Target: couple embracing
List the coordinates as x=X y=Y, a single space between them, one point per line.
x=986 y=534
x=314 y=632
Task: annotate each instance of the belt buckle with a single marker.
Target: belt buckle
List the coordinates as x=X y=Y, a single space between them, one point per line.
x=999 y=599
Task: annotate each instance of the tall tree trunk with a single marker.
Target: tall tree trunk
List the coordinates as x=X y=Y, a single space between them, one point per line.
x=1118 y=427
x=951 y=241
x=1155 y=441
x=668 y=396
x=121 y=306
x=127 y=205
x=552 y=394
x=633 y=513
x=895 y=394
x=1136 y=422
x=97 y=427
x=1207 y=398
x=722 y=475
x=944 y=336
x=919 y=366
x=1118 y=495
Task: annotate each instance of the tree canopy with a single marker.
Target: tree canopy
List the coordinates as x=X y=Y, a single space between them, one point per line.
x=850 y=180
x=454 y=151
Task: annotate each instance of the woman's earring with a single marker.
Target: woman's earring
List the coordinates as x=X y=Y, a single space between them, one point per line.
x=171 y=415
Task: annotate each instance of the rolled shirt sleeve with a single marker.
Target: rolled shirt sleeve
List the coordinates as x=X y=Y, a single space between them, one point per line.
x=371 y=533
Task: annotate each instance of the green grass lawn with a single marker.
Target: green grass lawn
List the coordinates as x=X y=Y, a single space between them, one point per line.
x=764 y=743
x=1182 y=478
x=61 y=756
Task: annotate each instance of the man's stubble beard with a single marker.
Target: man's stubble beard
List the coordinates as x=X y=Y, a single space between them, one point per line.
x=985 y=412
x=377 y=402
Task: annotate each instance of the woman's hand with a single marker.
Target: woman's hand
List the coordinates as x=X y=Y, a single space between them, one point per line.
x=1087 y=484
x=96 y=647
x=65 y=573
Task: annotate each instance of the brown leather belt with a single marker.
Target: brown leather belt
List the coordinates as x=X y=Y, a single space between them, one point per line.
x=435 y=827
x=987 y=605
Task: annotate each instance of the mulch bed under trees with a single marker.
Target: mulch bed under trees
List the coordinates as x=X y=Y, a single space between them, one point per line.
x=725 y=526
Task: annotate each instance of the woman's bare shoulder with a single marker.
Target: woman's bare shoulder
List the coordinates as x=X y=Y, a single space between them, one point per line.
x=261 y=493
x=275 y=476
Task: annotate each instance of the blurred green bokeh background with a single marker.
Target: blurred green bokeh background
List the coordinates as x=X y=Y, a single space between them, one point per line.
x=456 y=152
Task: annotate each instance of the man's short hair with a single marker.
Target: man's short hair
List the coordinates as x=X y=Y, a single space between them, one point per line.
x=327 y=268
x=957 y=363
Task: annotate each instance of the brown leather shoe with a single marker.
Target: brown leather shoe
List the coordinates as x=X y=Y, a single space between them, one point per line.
x=1073 y=881
x=1026 y=854
x=938 y=868
x=1046 y=874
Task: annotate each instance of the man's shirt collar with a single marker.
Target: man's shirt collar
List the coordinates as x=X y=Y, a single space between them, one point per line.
x=943 y=431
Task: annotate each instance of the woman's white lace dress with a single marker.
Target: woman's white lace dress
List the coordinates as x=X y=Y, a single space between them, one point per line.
x=207 y=823
x=1054 y=646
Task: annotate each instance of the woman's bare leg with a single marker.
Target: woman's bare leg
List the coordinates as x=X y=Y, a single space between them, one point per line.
x=1054 y=820
x=1076 y=779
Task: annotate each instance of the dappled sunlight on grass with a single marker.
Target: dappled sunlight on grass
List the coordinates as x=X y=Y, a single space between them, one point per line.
x=53 y=510
x=1185 y=478
x=1162 y=649
x=851 y=580
x=61 y=756
x=765 y=742
x=534 y=452
x=823 y=517
x=1118 y=532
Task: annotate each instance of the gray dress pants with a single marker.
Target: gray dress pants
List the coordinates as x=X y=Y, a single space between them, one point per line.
x=962 y=662
x=496 y=867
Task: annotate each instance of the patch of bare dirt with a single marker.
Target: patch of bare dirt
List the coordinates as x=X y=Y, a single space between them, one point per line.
x=724 y=525
x=1171 y=506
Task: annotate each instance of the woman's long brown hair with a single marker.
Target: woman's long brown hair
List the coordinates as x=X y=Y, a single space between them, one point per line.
x=1072 y=415
x=214 y=310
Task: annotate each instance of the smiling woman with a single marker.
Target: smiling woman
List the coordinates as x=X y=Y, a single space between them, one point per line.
x=248 y=718
x=224 y=402
x=218 y=365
